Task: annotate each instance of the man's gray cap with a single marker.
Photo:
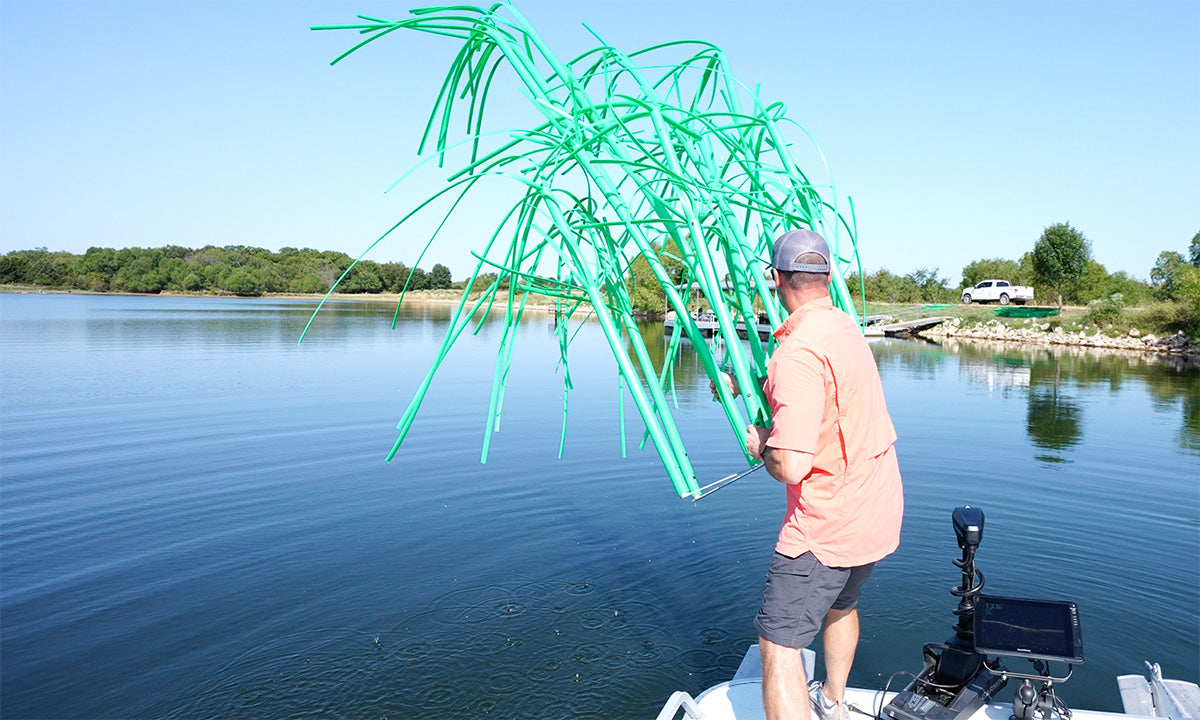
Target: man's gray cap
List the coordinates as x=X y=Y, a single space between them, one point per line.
x=791 y=245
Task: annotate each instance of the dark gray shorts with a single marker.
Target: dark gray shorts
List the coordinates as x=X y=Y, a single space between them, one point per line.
x=799 y=592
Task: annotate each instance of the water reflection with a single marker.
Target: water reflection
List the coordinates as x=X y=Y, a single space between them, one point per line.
x=686 y=370
x=1053 y=423
x=917 y=360
x=1055 y=377
x=1052 y=379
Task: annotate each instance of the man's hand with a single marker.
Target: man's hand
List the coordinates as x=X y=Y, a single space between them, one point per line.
x=756 y=440
x=730 y=382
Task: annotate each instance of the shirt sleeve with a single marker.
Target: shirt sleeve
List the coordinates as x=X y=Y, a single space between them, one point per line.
x=796 y=390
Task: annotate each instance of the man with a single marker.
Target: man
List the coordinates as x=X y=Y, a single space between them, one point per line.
x=832 y=444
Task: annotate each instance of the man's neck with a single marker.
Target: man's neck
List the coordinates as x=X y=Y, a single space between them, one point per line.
x=792 y=299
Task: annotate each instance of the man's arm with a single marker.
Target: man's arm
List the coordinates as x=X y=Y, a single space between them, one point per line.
x=786 y=466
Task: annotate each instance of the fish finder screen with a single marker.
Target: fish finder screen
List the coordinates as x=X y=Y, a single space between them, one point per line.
x=1033 y=629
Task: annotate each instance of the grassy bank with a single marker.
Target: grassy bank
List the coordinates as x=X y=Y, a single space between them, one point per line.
x=1160 y=318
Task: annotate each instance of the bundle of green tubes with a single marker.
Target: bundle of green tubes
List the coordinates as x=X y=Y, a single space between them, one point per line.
x=658 y=156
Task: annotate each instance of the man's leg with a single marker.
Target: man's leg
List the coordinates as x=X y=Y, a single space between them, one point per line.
x=797 y=598
x=784 y=686
x=840 y=640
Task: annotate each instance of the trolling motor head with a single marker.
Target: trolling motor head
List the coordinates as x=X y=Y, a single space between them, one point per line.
x=968 y=529
x=968 y=526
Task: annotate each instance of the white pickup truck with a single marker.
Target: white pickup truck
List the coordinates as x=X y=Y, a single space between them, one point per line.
x=1000 y=291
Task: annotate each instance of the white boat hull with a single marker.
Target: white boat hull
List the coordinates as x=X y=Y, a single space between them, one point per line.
x=741 y=698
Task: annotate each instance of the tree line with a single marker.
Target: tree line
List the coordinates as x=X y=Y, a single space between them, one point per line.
x=232 y=269
x=1060 y=266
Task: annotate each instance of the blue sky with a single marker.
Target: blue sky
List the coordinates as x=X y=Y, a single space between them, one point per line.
x=961 y=130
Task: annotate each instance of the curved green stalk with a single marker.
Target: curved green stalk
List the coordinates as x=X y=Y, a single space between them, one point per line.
x=639 y=161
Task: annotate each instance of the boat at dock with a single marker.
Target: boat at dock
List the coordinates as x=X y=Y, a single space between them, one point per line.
x=997 y=640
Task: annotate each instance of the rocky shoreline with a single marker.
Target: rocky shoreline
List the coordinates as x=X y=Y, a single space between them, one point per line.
x=1043 y=333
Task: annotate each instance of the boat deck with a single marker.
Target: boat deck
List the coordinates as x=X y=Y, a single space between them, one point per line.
x=741 y=699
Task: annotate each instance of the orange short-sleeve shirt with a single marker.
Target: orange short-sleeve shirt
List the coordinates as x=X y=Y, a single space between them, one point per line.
x=827 y=399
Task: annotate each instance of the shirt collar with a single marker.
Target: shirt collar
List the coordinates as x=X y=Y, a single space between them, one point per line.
x=791 y=321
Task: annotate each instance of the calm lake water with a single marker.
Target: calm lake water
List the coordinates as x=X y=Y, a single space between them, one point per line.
x=196 y=520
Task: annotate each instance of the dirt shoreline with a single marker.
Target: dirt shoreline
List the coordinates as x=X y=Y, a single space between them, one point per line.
x=420 y=297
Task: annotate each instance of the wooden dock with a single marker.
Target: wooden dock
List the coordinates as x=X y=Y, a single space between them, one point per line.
x=877 y=326
x=903 y=329
x=706 y=323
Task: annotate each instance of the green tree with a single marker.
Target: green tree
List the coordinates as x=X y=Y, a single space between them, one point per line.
x=139 y=271
x=363 y=278
x=1194 y=250
x=418 y=280
x=1165 y=274
x=240 y=282
x=1177 y=282
x=1092 y=284
x=175 y=251
x=992 y=269
x=930 y=287
x=101 y=261
x=39 y=267
x=483 y=281
x=1060 y=256
x=192 y=282
x=307 y=283
x=14 y=267
x=439 y=277
x=1136 y=292
x=884 y=286
x=393 y=275
x=645 y=292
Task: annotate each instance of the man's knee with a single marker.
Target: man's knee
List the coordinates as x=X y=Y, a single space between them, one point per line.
x=798 y=593
x=780 y=658
x=835 y=615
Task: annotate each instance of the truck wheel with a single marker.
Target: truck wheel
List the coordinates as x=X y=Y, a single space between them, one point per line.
x=1004 y=299
x=966 y=299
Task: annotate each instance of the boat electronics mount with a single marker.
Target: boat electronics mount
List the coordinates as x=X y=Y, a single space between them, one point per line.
x=962 y=674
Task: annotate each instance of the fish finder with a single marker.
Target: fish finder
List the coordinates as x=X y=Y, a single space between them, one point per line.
x=964 y=673
x=1029 y=629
